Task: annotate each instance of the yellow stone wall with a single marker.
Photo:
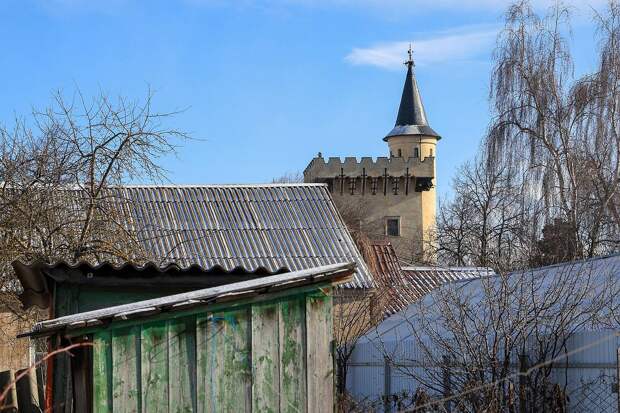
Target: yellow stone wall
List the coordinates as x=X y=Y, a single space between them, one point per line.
x=368 y=211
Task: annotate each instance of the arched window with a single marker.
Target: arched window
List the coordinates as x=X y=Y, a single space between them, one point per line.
x=416 y=153
x=400 y=153
x=431 y=151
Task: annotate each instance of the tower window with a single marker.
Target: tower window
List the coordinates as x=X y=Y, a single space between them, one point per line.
x=392 y=226
x=400 y=153
x=416 y=153
x=431 y=151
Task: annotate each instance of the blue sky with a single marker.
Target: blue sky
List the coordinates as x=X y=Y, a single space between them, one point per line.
x=266 y=84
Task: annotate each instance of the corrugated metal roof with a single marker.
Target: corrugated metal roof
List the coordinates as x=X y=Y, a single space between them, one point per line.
x=382 y=259
x=599 y=275
x=425 y=279
x=408 y=284
x=295 y=226
x=335 y=273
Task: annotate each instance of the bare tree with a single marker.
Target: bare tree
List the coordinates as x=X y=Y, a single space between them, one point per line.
x=549 y=168
x=56 y=172
x=487 y=223
x=557 y=133
x=289 y=178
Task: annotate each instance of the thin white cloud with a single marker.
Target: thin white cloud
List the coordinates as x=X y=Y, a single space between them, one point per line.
x=464 y=44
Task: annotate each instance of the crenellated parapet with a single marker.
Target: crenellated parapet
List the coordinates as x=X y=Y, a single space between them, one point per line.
x=369 y=167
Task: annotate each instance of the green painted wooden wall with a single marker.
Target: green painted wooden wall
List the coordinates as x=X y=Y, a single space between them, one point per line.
x=272 y=356
x=72 y=299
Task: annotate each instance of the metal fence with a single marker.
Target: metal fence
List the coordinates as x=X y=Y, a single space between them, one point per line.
x=588 y=375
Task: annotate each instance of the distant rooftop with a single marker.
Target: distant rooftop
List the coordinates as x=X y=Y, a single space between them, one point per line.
x=424 y=279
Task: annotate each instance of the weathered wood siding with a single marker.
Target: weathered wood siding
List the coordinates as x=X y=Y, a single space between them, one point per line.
x=272 y=356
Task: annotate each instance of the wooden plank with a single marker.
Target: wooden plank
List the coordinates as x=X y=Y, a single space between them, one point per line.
x=102 y=372
x=293 y=355
x=154 y=374
x=228 y=367
x=265 y=358
x=182 y=365
x=81 y=373
x=66 y=299
x=319 y=358
x=126 y=369
x=202 y=378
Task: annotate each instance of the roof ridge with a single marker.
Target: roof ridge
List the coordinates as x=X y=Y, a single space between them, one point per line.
x=568 y=263
x=271 y=185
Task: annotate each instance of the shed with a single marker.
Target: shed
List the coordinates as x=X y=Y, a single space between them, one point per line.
x=257 y=345
x=198 y=237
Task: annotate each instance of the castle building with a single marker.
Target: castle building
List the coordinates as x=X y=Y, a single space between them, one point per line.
x=391 y=197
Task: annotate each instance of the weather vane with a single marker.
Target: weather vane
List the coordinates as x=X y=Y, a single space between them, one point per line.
x=410 y=53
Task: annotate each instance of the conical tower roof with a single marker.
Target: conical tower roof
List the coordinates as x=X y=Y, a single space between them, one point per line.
x=411 y=119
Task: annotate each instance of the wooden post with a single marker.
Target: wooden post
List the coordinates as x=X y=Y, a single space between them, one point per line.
x=387 y=385
x=523 y=383
x=447 y=383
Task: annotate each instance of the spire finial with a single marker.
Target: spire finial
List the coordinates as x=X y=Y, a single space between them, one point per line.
x=409 y=62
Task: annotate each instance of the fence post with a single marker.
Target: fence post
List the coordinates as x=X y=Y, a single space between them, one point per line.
x=387 y=385
x=447 y=383
x=522 y=383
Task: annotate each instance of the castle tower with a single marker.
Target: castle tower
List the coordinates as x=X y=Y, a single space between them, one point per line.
x=390 y=197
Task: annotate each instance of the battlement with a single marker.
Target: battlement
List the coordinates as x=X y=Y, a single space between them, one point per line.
x=367 y=166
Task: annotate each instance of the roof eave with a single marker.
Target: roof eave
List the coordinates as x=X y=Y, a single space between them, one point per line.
x=412 y=130
x=334 y=274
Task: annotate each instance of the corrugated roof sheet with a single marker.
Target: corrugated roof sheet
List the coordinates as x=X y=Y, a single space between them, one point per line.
x=335 y=273
x=600 y=275
x=381 y=258
x=425 y=279
x=295 y=226
x=408 y=284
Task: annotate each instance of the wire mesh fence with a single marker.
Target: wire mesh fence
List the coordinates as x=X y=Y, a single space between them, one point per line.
x=598 y=394
x=584 y=381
